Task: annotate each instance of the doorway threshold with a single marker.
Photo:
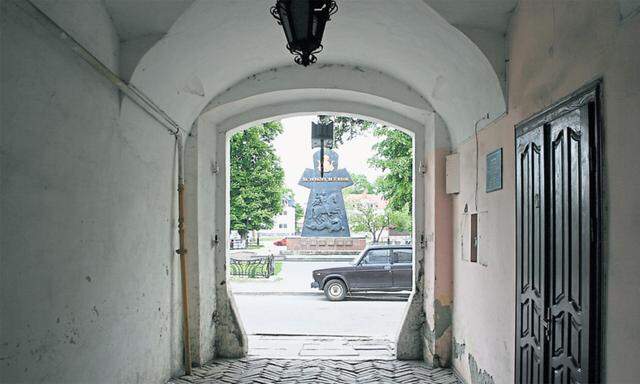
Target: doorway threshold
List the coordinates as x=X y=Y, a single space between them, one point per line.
x=328 y=347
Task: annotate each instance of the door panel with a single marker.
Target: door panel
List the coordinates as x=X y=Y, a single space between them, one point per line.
x=530 y=217
x=569 y=246
x=558 y=208
x=374 y=271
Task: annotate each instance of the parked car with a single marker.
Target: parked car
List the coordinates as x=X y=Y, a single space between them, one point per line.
x=385 y=268
x=280 y=242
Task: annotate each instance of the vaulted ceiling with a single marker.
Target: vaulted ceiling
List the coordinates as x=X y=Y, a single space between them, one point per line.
x=138 y=18
x=206 y=48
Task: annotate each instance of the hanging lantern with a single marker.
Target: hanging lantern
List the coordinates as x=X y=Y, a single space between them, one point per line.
x=303 y=22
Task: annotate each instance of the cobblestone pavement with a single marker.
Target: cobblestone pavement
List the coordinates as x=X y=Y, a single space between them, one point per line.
x=277 y=371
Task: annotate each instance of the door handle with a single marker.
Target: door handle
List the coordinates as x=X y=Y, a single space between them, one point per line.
x=547 y=330
x=546 y=323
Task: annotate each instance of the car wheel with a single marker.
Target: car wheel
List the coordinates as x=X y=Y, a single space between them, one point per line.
x=335 y=290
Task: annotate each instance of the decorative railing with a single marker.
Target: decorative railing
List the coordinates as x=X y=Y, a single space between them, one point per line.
x=260 y=266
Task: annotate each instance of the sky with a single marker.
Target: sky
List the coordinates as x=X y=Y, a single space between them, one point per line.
x=294 y=148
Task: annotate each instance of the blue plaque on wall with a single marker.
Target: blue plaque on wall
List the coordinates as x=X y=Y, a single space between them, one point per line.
x=494 y=171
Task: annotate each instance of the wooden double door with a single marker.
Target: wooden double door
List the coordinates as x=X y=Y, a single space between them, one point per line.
x=558 y=178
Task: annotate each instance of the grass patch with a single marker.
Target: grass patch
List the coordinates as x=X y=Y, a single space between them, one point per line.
x=277 y=268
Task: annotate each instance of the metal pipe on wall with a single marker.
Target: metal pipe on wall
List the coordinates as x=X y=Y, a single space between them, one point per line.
x=144 y=102
x=182 y=251
x=136 y=95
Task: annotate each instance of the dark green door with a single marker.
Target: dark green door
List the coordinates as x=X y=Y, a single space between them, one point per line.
x=558 y=243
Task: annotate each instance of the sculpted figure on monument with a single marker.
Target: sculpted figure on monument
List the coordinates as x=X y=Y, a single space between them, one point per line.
x=325 y=215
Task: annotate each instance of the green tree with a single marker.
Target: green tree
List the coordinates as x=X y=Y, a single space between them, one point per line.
x=360 y=185
x=257 y=178
x=299 y=215
x=394 y=155
x=399 y=220
x=365 y=217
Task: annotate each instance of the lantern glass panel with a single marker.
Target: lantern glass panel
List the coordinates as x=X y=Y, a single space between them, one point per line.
x=314 y=27
x=300 y=18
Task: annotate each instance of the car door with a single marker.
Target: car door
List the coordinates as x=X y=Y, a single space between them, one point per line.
x=373 y=271
x=402 y=268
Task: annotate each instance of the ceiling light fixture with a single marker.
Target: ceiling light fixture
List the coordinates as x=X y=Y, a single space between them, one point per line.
x=303 y=22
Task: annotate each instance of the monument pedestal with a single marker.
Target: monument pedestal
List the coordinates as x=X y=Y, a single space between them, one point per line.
x=326 y=245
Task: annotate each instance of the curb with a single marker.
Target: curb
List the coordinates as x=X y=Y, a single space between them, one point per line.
x=280 y=293
x=371 y=296
x=317 y=259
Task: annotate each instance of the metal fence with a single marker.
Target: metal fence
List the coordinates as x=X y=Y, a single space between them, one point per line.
x=260 y=266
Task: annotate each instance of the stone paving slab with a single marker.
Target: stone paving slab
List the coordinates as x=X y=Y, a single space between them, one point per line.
x=321 y=347
x=278 y=371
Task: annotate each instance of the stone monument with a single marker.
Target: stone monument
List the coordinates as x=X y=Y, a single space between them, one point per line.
x=325 y=215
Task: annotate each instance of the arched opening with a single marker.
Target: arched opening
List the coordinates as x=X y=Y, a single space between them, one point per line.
x=447 y=73
x=223 y=137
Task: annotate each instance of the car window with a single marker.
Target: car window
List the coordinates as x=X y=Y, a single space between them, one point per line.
x=376 y=257
x=402 y=256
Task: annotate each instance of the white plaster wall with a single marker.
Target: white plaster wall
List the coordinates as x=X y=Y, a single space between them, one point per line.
x=555 y=48
x=483 y=310
x=88 y=287
x=200 y=176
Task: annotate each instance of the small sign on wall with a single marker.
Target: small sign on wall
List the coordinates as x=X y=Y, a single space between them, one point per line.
x=494 y=171
x=452 y=172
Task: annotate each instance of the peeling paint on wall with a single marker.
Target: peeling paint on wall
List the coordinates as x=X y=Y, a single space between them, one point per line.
x=458 y=349
x=442 y=318
x=478 y=376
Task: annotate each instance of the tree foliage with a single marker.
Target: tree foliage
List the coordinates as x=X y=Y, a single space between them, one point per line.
x=368 y=218
x=394 y=155
x=360 y=185
x=257 y=178
x=299 y=215
x=346 y=128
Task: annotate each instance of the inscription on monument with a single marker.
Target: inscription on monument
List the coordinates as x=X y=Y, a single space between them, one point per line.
x=325 y=215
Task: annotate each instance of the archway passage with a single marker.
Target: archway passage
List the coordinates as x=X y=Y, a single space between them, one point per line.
x=298 y=315
x=438 y=95
x=91 y=285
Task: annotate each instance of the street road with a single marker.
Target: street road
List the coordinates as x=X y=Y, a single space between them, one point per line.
x=294 y=277
x=315 y=315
